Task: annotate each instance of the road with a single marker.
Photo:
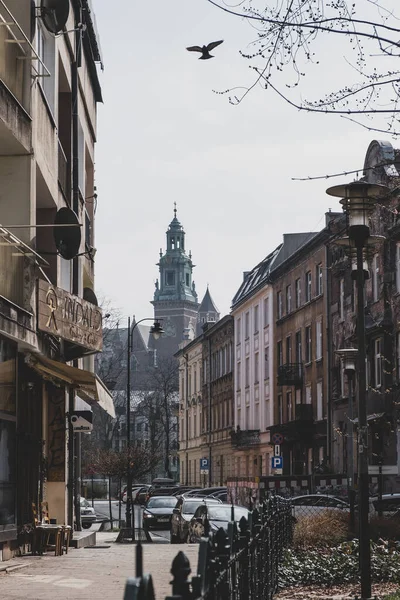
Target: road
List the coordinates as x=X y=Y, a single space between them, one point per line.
x=102 y=511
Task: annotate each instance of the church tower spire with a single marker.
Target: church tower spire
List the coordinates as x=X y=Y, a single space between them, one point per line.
x=175 y=296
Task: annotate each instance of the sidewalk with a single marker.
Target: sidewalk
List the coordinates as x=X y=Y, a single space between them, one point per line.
x=91 y=573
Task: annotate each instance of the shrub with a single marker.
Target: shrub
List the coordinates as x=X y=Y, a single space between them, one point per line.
x=340 y=565
x=325 y=529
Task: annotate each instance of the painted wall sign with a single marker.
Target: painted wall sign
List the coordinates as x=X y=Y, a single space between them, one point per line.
x=69 y=317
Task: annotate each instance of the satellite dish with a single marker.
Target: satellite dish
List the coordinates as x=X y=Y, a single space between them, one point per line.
x=67 y=239
x=54 y=14
x=33 y=20
x=90 y=296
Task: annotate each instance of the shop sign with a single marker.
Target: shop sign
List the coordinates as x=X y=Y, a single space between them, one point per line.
x=69 y=317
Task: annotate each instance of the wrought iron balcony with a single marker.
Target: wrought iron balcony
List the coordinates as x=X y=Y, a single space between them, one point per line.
x=304 y=412
x=245 y=438
x=290 y=374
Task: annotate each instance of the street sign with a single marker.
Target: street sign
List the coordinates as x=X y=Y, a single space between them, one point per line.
x=277 y=450
x=277 y=438
x=277 y=462
x=204 y=466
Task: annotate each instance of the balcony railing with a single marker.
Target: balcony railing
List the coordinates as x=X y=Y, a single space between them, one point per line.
x=290 y=374
x=12 y=270
x=245 y=438
x=304 y=412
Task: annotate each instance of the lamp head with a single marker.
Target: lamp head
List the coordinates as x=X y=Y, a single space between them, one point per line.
x=349 y=359
x=156 y=330
x=358 y=201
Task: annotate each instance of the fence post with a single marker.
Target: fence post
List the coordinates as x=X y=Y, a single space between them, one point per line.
x=180 y=584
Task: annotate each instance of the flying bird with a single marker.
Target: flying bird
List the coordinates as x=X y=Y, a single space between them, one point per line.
x=205 y=50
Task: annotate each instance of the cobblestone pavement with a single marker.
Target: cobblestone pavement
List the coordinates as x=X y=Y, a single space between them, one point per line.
x=90 y=573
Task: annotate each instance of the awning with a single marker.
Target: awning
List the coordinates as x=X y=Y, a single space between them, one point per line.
x=90 y=386
x=372 y=417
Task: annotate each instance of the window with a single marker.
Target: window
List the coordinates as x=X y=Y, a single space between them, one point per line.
x=378 y=362
x=299 y=357
x=247 y=372
x=280 y=409
x=341 y=299
x=319 y=280
x=195 y=380
x=298 y=293
x=256 y=326
x=256 y=367
x=279 y=353
x=279 y=305
x=398 y=356
x=320 y=410
x=375 y=278
x=238 y=331
x=308 y=345
x=266 y=312
x=267 y=362
x=45 y=44
x=187 y=280
x=246 y=325
x=308 y=394
x=238 y=376
x=170 y=278
x=288 y=299
x=289 y=408
x=288 y=349
x=318 y=339
x=308 y=286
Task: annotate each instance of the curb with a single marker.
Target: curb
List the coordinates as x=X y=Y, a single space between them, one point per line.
x=12 y=568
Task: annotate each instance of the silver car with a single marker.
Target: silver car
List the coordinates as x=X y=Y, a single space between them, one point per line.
x=312 y=504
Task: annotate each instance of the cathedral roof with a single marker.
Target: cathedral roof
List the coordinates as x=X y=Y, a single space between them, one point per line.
x=207 y=304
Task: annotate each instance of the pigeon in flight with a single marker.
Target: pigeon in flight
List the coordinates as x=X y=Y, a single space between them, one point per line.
x=205 y=50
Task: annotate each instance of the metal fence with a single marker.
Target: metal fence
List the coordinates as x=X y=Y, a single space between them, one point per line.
x=238 y=564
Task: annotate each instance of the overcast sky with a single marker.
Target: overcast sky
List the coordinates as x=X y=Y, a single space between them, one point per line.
x=164 y=136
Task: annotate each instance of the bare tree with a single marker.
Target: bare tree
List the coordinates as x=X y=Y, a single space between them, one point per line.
x=158 y=405
x=290 y=43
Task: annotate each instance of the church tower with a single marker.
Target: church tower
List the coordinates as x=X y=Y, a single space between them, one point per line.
x=175 y=298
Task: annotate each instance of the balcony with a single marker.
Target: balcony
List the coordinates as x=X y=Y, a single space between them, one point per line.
x=290 y=374
x=12 y=273
x=247 y=438
x=303 y=412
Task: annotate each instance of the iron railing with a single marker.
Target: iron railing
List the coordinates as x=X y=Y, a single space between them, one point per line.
x=290 y=374
x=245 y=438
x=239 y=564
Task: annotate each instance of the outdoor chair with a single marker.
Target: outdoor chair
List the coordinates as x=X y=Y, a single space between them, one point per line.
x=65 y=529
x=42 y=533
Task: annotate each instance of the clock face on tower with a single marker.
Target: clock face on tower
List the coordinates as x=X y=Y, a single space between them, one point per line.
x=169 y=328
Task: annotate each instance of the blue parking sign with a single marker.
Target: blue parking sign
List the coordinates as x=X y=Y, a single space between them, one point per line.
x=204 y=466
x=277 y=462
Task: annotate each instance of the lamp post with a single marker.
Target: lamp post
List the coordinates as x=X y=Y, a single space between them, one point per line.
x=358 y=200
x=348 y=357
x=156 y=331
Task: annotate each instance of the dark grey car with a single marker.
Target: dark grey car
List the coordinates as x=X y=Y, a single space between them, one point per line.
x=158 y=512
x=182 y=515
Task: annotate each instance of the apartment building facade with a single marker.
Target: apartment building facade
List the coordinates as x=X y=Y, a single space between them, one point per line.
x=301 y=409
x=50 y=325
x=218 y=400
x=252 y=311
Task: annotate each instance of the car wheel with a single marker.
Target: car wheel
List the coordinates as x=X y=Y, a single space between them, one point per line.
x=86 y=525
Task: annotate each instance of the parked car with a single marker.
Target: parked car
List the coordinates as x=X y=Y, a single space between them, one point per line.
x=164 y=482
x=161 y=491
x=88 y=514
x=138 y=494
x=183 y=513
x=390 y=505
x=183 y=489
x=221 y=495
x=206 y=491
x=217 y=515
x=158 y=512
x=312 y=504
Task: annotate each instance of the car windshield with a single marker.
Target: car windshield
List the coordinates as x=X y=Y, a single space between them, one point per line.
x=161 y=503
x=224 y=513
x=189 y=508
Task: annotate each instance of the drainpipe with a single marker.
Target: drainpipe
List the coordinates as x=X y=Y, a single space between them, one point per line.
x=74 y=454
x=209 y=418
x=186 y=357
x=328 y=337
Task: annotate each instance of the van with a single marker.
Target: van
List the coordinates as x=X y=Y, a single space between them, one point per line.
x=163 y=482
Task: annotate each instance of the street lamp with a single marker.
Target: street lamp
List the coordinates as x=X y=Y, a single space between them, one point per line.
x=348 y=357
x=156 y=331
x=358 y=201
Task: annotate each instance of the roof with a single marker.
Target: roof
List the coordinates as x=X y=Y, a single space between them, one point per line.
x=256 y=278
x=291 y=243
x=208 y=304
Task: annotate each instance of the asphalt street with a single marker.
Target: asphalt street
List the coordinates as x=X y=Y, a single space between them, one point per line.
x=102 y=511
